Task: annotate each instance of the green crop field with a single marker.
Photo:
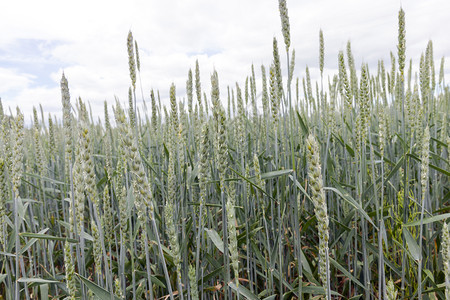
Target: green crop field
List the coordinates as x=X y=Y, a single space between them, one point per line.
x=280 y=188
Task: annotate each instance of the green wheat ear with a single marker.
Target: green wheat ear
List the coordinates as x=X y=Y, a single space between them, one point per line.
x=2 y=114
x=441 y=72
x=97 y=248
x=285 y=28
x=425 y=161
x=321 y=52
x=17 y=152
x=198 y=90
x=277 y=68
x=117 y=289
x=346 y=92
x=193 y=283
x=391 y=292
x=320 y=206
x=232 y=235
x=70 y=271
x=273 y=93
x=445 y=251
x=401 y=43
x=3 y=196
x=131 y=61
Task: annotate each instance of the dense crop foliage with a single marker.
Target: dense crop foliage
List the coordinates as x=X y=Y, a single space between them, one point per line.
x=339 y=193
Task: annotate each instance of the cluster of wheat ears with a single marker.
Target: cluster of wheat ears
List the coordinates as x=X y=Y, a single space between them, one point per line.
x=338 y=194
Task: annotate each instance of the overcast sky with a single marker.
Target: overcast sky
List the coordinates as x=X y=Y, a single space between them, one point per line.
x=87 y=40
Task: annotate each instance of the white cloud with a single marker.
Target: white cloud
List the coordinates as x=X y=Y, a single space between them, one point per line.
x=87 y=39
x=12 y=80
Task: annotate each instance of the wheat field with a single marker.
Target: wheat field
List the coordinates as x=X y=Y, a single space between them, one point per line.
x=281 y=188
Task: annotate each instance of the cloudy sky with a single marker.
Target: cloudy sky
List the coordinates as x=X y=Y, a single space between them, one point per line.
x=87 y=40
